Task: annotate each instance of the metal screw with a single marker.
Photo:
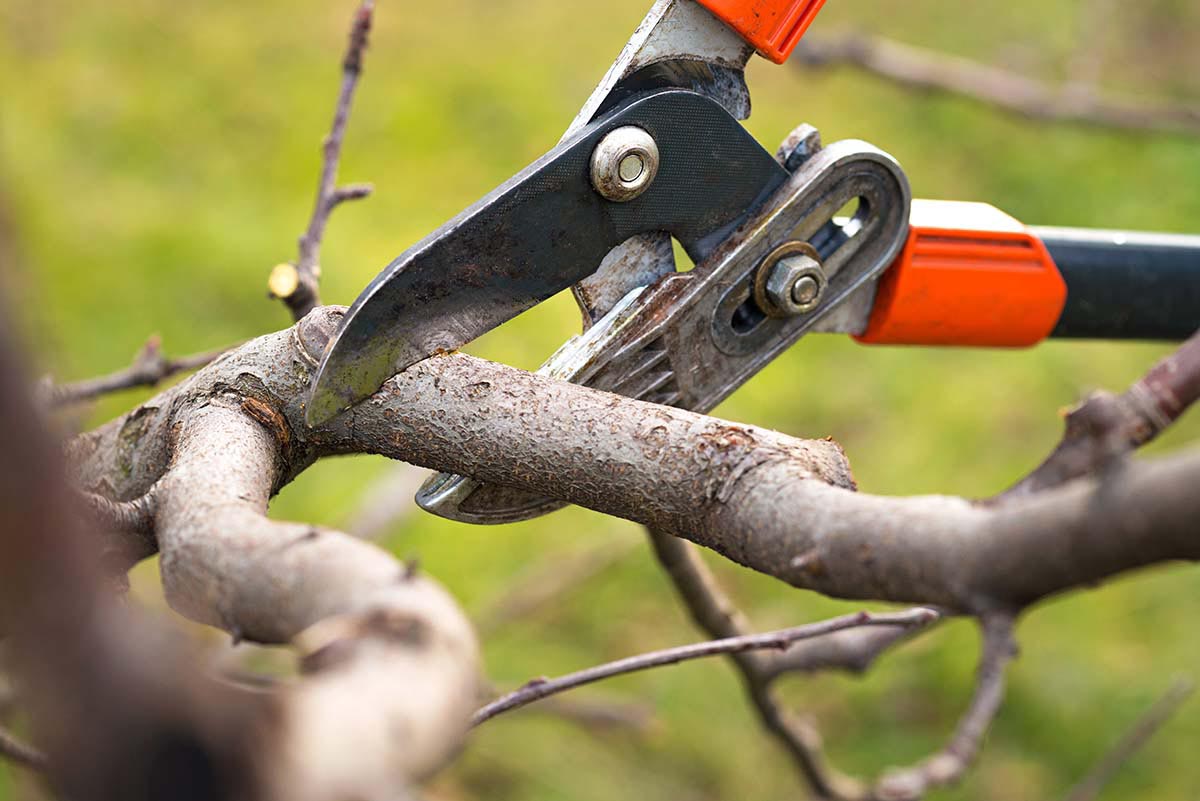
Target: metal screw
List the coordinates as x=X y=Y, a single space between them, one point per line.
x=624 y=164
x=790 y=280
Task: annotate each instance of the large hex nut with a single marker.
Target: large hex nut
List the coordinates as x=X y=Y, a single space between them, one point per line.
x=790 y=280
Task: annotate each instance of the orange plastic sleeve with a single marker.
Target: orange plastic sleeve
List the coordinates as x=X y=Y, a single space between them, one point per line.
x=968 y=275
x=774 y=27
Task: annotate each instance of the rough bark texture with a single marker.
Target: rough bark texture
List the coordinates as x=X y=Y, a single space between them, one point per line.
x=783 y=506
x=390 y=664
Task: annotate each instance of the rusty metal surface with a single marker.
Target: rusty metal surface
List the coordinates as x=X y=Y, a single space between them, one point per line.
x=541 y=232
x=691 y=47
x=692 y=338
x=679 y=43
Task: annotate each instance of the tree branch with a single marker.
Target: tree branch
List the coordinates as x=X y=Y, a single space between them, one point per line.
x=915 y=68
x=779 y=505
x=559 y=573
x=948 y=765
x=19 y=753
x=149 y=367
x=220 y=442
x=390 y=663
x=297 y=284
x=1147 y=726
x=715 y=614
x=1105 y=427
x=541 y=688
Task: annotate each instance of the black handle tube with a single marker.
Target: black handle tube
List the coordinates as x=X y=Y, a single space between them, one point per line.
x=1126 y=285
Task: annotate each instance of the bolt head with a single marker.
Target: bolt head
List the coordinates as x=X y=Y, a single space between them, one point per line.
x=794 y=283
x=624 y=164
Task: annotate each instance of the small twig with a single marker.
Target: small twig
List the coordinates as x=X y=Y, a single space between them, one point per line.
x=716 y=615
x=150 y=366
x=852 y=651
x=914 y=67
x=541 y=688
x=1106 y=426
x=556 y=575
x=20 y=753
x=387 y=502
x=1143 y=729
x=297 y=284
x=948 y=765
x=594 y=714
x=600 y=716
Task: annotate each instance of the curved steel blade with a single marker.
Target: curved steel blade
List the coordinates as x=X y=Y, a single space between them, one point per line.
x=540 y=232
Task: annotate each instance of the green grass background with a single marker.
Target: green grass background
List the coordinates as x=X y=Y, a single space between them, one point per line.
x=156 y=159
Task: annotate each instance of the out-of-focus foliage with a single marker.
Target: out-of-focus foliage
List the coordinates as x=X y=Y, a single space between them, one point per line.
x=157 y=158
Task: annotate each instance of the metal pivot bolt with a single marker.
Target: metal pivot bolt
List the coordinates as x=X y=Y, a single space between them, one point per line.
x=624 y=164
x=790 y=280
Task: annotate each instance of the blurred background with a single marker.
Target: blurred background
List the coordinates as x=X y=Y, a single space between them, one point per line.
x=156 y=159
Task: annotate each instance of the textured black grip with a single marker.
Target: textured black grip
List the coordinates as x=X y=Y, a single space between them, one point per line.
x=1126 y=285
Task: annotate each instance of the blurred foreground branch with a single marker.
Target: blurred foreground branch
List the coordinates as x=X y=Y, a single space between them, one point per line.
x=19 y=753
x=213 y=448
x=917 y=68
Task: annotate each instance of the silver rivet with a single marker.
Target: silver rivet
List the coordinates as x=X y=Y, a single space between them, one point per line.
x=805 y=290
x=631 y=167
x=624 y=164
x=790 y=280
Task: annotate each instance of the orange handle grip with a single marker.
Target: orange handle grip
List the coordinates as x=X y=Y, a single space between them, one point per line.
x=968 y=275
x=774 y=27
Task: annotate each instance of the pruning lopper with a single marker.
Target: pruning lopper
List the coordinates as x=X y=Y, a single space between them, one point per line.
x=812 y=238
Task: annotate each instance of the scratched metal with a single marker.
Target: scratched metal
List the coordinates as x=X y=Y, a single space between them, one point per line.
x=539 y=233
x=692 y=338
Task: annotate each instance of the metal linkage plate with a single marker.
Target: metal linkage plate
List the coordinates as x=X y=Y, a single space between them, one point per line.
x=692 y=338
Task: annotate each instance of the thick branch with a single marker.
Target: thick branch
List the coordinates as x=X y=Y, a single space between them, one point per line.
x=779 y=505
x=541 y=688
x=390 y=663
x=297 y=285
x=915 y=68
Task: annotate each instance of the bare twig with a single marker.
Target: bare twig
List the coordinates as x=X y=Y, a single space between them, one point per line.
x=1106 y=426
x=19 y=753
x=948 y=765
x=150 y=366
x=1146 y=727
x=917 y=68
x=715 y=614
x=595 y=715
x=541 y=688
x=386 y=503
x=853 y=651
x=549 y=579
x=297 y=284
